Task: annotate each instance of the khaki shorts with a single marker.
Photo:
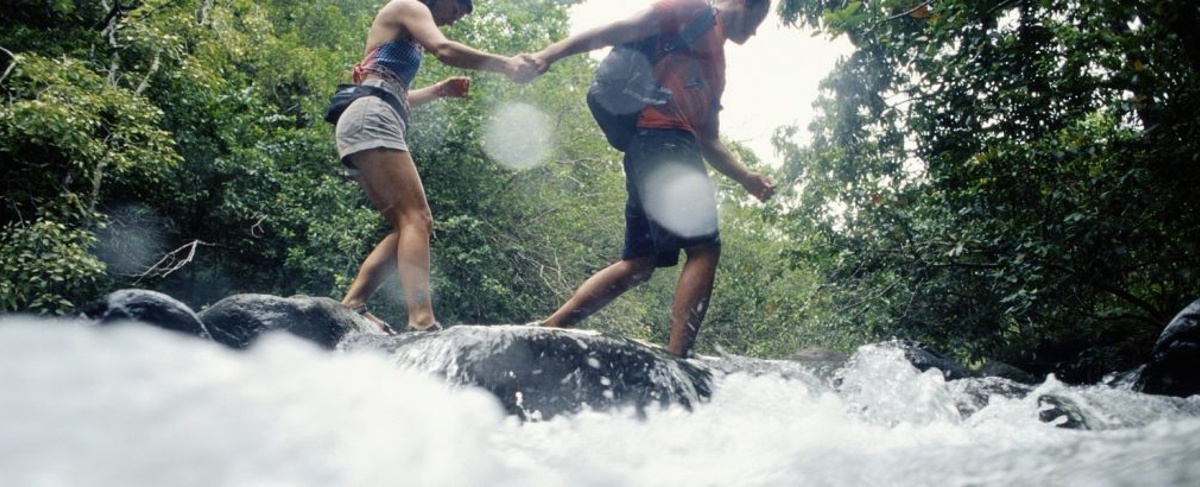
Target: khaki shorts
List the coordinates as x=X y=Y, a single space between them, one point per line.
x=369 y=123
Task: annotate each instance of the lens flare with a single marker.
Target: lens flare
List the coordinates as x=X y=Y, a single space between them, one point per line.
x=518 y=136
x=133 y=240
x=680 y=198
x=430 y=127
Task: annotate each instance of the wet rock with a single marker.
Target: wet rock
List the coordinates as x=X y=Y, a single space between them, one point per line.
x=995 y=368
x=824 y=362
x=1126 y=380
x=924 y=357
x=972 y=395
x=1174 y=369
x=238 y=320
x=1061 y=412
x=148 y=307
x=538 y=373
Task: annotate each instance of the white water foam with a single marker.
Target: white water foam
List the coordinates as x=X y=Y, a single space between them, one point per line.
x=132 y=405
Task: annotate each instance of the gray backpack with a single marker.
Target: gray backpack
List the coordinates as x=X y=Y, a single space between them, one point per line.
x=624 y=82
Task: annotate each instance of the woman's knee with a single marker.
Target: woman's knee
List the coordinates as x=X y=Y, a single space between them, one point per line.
x=424 y=221
x=419 y=219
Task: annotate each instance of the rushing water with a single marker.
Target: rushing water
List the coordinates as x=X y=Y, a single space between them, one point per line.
x=136 y=406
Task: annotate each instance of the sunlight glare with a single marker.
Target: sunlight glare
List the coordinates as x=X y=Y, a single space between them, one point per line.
x=518 y=135
x=132 y=241
x=683 y=201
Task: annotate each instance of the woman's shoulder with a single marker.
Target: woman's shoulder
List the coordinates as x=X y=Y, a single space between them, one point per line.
x=396 y=10
x=391 y=22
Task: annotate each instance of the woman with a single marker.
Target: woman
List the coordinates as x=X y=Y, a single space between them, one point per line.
x=370 y=138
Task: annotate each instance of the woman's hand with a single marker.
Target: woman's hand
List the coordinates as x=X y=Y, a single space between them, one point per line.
x=454 y=87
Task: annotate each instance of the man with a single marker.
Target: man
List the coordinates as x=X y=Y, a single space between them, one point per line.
x=670 y=205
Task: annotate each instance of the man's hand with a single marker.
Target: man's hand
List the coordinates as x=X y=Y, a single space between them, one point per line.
x=527 y=68
x=762 y=187
x=539 y=59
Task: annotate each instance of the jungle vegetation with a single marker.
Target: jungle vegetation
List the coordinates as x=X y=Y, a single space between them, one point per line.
x=1009 y=180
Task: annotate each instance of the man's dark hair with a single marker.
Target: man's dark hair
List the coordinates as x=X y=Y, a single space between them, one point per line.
x=469 y=4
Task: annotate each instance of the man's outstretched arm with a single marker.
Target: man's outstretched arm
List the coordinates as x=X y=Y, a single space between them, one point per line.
x=636 y=27
x=721 y=159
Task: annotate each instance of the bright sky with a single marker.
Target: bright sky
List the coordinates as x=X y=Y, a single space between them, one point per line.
x=771 y=80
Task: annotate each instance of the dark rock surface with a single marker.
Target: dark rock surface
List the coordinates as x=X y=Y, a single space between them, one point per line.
x=148 y=307
x=239 y=319
x=543 y=372
x=1174 y=368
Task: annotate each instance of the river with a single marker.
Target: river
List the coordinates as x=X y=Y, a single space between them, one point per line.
x=137 y=406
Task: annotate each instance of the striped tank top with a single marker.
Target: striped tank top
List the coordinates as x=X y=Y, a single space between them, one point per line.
x=396 y=62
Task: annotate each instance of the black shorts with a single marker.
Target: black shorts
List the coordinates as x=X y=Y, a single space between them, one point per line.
x=671 y=205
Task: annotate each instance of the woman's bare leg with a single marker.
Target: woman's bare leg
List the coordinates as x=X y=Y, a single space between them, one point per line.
x=391 y=182
x=377 y=267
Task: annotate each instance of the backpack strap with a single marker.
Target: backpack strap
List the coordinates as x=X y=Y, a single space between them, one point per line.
x=691 y=33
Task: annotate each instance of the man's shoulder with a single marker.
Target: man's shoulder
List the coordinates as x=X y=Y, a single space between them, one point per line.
x=681 y=4
x=674 y=12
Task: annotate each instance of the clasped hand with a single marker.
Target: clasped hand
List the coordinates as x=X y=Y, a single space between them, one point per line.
x=527 y=67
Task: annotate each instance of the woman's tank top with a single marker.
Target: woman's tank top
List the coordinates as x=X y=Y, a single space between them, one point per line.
x=396 y=61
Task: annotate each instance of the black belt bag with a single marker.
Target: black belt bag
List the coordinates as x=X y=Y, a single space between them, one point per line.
x=345 y=94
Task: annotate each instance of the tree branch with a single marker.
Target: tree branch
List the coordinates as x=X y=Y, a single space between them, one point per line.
x=113 y=12
x=170 y=262
x=153 y=69
x=11 y=66
x=202 y=15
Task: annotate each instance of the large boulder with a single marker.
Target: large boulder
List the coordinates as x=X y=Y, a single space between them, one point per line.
x=538 y=373
x=1174 y=369
x=148 y=307
x=238 y=320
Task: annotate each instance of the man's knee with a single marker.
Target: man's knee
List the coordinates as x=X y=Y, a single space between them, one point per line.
x=640 y=269
x=710 y=250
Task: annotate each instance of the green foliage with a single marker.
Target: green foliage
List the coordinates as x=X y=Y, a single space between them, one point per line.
x=67 y=132
x=179 y=146
x=1011 y=180
x=44 y=263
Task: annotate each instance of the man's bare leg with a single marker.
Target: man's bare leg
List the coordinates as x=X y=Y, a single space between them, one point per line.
x=600 y=289
x=692 y=293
